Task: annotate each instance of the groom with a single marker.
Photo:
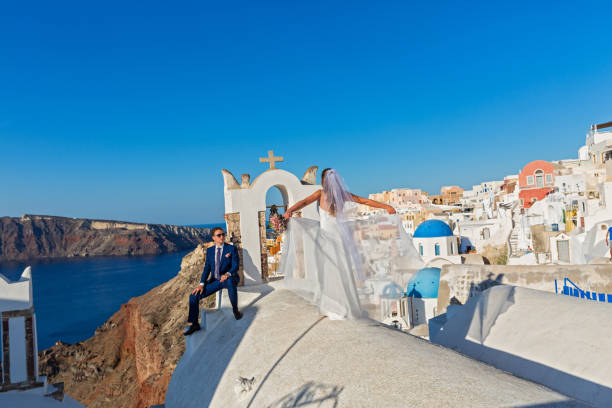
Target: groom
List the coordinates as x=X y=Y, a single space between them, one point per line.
x=222 y=263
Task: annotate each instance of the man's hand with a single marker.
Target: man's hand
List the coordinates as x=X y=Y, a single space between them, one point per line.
x=198 y=290
x=391 y=210
x=287 y=214
x=223 y=278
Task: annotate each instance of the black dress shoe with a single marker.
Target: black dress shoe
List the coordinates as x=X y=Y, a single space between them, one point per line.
x=237 y=314
x=192 y=329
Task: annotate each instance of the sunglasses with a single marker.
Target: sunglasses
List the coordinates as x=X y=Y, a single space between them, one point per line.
x=221 y=234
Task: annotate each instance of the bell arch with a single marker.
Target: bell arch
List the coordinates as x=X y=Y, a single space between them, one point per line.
x=245 y=212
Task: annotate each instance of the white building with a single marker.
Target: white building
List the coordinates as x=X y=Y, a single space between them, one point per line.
x=401 y=197
x=20 y=384
x=571 y=184
x=486 y=232
x=481 y=199
x=436 y=244
x=598 y=145
x=245 y=212
x=560 y=249
x=421 y=300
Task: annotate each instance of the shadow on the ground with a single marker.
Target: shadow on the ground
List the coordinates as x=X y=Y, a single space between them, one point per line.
x=311 y=394
x=555 y=379
x=281 y=358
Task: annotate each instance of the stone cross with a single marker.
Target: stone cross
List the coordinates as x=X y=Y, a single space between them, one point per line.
x=271 y=159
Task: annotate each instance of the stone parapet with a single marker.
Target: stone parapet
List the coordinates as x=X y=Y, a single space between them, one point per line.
x=465 y=281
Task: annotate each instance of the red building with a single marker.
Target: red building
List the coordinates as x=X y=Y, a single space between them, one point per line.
x=536 y=180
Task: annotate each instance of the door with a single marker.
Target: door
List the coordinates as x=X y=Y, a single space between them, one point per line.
x=563 y=250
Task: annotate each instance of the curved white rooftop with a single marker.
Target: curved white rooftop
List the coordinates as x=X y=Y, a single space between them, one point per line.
x=299 y=358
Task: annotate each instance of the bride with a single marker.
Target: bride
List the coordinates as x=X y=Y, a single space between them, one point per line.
x=341 y=247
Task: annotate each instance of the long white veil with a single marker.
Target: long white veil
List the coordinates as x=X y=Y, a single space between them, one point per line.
x=341 y=204
x=357 y=263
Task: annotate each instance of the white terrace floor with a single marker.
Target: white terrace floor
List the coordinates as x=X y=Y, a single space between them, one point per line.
x=299 y=358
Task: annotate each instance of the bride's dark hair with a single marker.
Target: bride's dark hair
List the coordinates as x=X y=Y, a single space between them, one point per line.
x=323 y=176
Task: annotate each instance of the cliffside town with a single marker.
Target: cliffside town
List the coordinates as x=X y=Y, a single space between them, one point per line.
x=550 y=212
x=40 y=236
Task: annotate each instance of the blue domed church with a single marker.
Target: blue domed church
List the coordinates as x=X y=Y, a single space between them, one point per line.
x=434 y=239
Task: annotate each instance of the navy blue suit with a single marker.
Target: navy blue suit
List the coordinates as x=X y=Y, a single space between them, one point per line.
x=230 y=261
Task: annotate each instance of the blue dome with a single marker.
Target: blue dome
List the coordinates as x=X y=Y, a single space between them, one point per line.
x=433 y=228
x=425 y=284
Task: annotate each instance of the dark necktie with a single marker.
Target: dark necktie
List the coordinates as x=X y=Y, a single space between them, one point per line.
x=217 y=263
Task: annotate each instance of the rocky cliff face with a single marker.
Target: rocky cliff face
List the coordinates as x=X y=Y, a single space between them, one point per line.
x=37 y=236
x=130 y=359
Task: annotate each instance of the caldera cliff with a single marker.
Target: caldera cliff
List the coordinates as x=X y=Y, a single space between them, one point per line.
x=130 y=359
x=40 y=236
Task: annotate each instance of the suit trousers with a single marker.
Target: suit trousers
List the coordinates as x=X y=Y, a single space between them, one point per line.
x=209 y=289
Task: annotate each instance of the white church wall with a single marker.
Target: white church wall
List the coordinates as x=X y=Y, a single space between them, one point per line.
x=419 y=310
x=447 y=247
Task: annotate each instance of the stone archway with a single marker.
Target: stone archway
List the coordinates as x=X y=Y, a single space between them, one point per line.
x=263 y=238
x=245 y=212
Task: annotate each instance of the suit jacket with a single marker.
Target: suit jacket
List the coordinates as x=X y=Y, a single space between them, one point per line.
x=230 y=261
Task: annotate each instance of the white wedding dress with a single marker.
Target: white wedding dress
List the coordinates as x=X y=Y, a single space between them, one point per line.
x=338 y=297
x=346 y=264
x=343 y=266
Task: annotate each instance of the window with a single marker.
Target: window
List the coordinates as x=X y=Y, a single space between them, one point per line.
x=529 y=180
x=549 y=179
x=486 y=233
x=437 y=249
x=421 y=249
x=539 y=176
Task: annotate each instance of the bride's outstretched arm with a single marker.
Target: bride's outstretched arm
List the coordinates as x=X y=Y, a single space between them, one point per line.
x=373 y=203
x=302 y=203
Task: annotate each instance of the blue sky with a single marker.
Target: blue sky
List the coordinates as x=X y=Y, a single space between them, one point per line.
x=129 y=110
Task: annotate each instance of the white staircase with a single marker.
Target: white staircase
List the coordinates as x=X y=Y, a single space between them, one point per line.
x=514 y=234
x=514 y=241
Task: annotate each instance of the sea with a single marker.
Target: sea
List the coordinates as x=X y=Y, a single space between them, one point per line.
x=73 y=297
